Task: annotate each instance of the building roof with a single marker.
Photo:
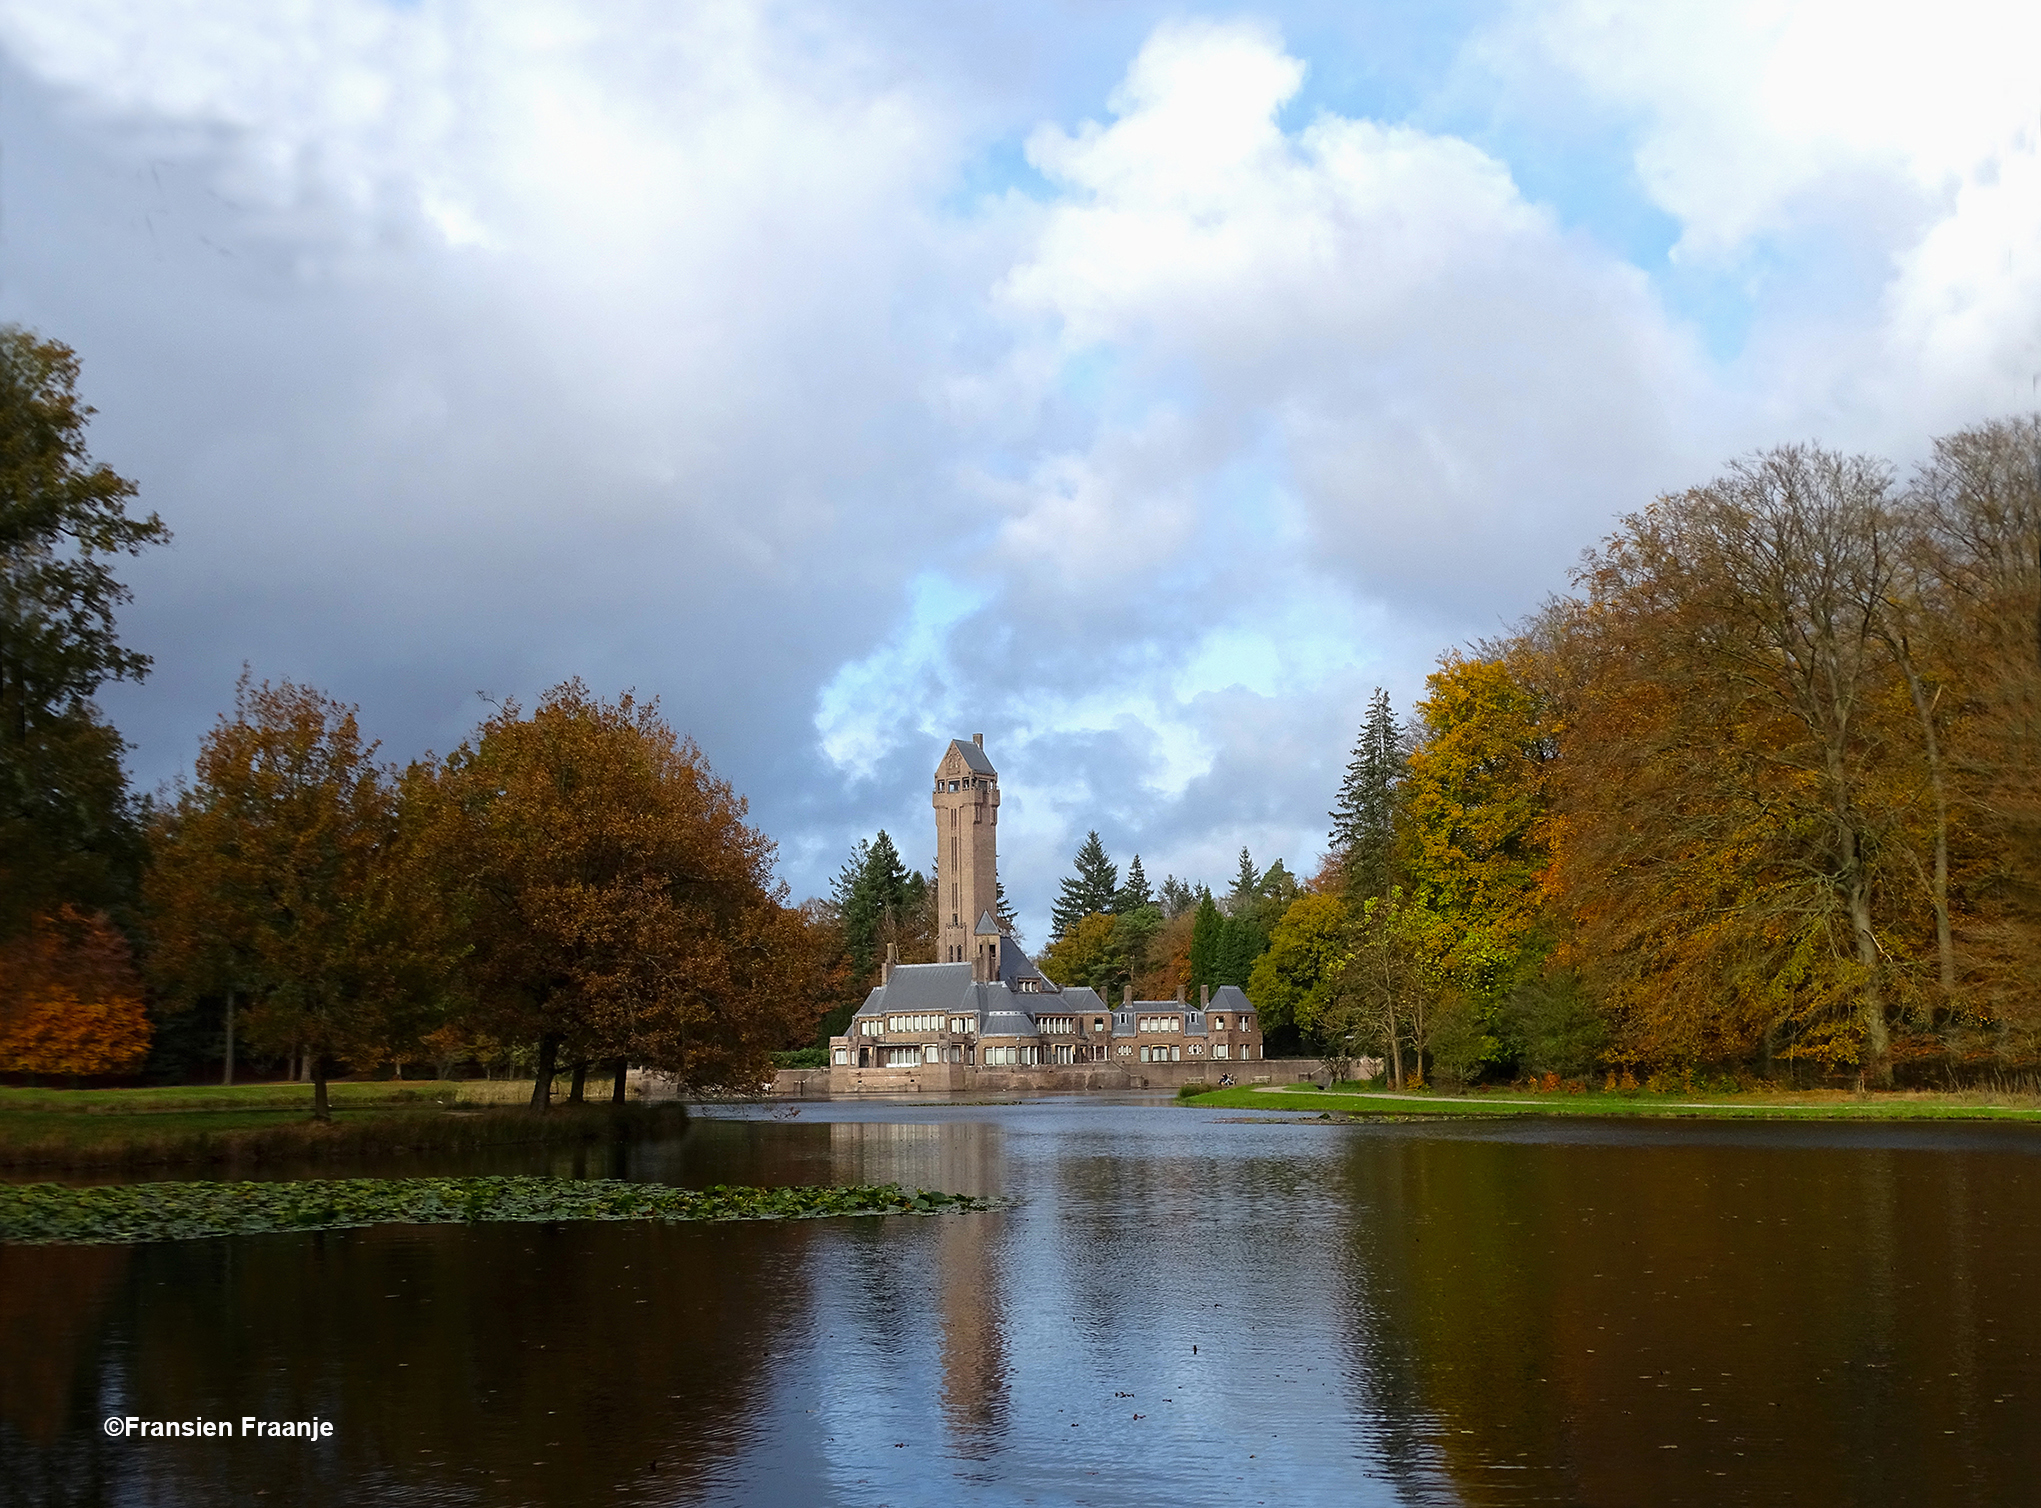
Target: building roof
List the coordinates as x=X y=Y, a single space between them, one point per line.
x=988 y=926
x=920 y=987
x=1230 y=997
x=973 y=756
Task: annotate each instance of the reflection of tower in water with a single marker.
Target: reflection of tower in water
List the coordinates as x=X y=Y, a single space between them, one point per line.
x=961 y=1158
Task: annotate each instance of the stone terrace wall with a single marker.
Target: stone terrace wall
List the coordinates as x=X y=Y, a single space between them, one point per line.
x=824 y=1083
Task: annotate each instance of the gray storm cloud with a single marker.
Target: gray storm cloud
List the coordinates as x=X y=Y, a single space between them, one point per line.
x=852 y=384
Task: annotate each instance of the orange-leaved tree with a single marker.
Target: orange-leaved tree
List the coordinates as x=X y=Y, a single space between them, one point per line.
x=614 y=904
x=70 y=1001
x=284 y=873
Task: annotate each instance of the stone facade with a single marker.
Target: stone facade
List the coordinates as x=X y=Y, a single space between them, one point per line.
x=985 y=1017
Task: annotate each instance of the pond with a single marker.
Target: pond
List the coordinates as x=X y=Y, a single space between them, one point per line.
x=1178 y=1308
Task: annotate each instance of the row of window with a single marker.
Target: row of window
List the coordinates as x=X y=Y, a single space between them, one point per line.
x=1027 y=1055
x=1048 y=1026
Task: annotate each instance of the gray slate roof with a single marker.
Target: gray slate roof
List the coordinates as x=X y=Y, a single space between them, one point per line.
x=1230 y=997
x=988 y=926
x=921 y=987
x=974 y=757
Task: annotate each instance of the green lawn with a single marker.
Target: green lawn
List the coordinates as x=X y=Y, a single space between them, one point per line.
x=1355 y=1101
x=102 y=1128
x=184 y=1098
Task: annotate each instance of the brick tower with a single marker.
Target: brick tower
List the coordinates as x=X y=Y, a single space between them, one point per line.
x=967 y=866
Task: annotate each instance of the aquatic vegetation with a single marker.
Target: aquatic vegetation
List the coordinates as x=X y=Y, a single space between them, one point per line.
x=138 y=1212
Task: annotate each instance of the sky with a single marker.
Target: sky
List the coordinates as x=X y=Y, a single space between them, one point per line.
x=1138 y=385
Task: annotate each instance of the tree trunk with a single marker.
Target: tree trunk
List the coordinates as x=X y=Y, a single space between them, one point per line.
x=321 y=1111
x=616 y=1091
x=542 y=1085
x=1395 y=1054
x=579 y=1083
x=228 y=1076
x=1877 y=1040
x=1938 y=886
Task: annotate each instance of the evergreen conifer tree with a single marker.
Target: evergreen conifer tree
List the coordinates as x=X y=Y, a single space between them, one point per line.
x=1090 y=890
x=1176 y=897
x=1246 y=885
x=1241 y=942
x=1205 y=938
x=1135 y=894
x=1364 y=815
x=872 y=889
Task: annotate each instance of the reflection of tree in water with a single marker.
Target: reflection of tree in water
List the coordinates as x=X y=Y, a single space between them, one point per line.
x=1389 y=1375
x=52 y=1306
x=552 y=1363
x=1631 y=1324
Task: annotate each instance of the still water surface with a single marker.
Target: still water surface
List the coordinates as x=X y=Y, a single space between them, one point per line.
x=1178 y=1309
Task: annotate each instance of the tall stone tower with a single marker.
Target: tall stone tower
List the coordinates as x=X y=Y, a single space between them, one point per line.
x=967 y=865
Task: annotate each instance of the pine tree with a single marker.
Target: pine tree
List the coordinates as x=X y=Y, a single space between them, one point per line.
x=1364 y=816
x=1090 y=890
x=873 y=894
x=1003 y=909
x=1205 y=937
x=1241 y=942
x=1246 y=885
x=1135 y=894
x=1176 y=897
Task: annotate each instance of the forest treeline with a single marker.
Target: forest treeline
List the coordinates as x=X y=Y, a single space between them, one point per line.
x=1761 y=793
x=573 y=889
x=1758 y=795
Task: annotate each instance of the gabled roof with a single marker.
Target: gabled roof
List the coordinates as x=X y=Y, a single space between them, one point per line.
x=1015 y=965
x=973 y=756
x=920 y=987
x=988 y=926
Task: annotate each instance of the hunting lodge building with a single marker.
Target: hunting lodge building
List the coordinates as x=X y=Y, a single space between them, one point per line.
x=985 y=1016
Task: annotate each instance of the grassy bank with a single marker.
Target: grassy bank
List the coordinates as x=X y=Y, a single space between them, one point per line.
x=1354 y=1101
x=125 y=1214
x=266 y=1123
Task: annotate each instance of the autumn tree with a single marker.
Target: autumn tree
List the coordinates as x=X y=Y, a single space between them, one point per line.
x=1289 y=984
x=614 y=902
x=1083 y=952
x=283 y=873
x=1474 y=839
x=1977 y=507
x=70 y=1000
x=1386 y=993
x=66 y=829
x=1749 y=789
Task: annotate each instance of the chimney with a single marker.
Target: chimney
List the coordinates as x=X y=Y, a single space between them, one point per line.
x=1204 y=997
x=1126 y=997
x=978 y=739
x=892 y=960
x=1180 y=993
